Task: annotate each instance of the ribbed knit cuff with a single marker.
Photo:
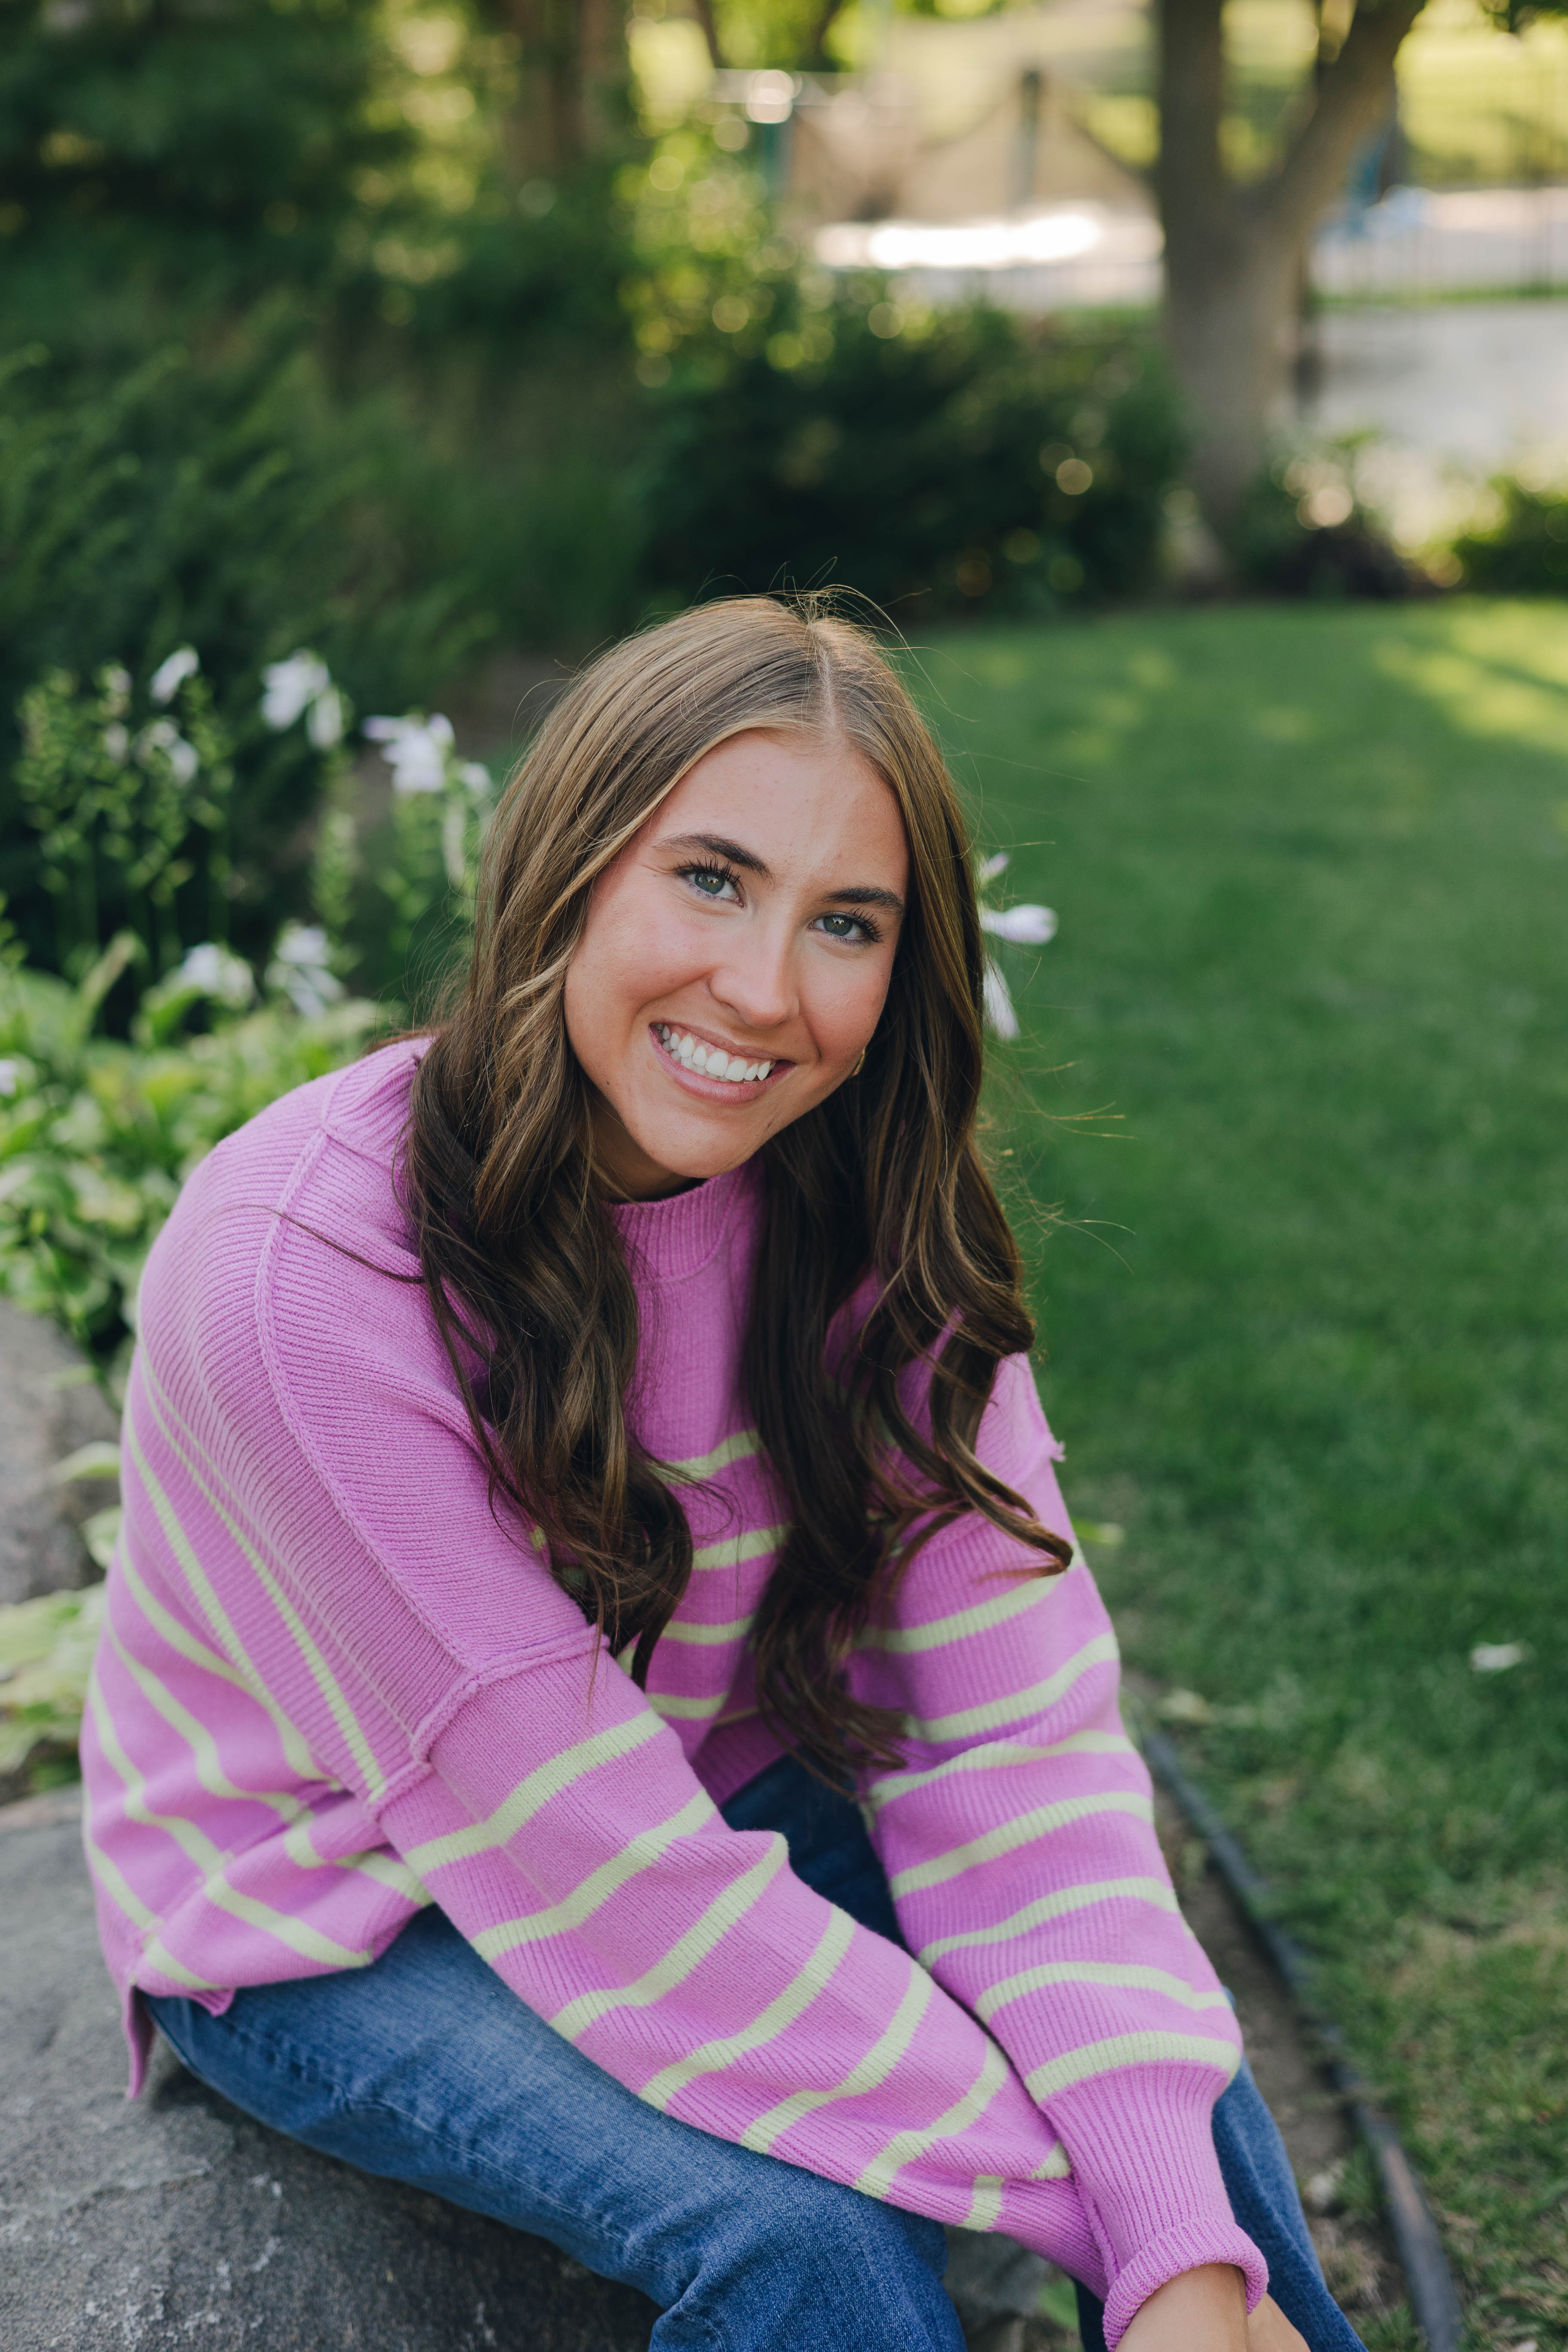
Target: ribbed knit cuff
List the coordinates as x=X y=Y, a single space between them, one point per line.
x=1187 y=2248
x=1142 y=2146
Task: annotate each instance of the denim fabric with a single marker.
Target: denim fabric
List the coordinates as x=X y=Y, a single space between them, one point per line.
x=426 y=2068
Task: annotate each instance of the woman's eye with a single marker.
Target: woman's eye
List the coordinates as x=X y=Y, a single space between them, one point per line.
x=710 y=881
x=845 y=927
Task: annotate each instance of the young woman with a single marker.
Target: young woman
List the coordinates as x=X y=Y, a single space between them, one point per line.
x=600 y=1715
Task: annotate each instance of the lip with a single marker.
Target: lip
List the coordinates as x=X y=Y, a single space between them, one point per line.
x=715 y=1090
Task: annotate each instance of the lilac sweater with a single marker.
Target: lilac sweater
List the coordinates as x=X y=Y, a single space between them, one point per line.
x=332 y=1689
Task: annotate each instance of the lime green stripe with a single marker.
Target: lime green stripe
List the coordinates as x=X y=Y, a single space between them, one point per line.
x=731 y=1551
x=639 y=1854
x=905 y=2146
x=686 y=1710
x=373 y=1863
x=1130 y=1976
x=708 y=1636
x=172 y=1631
x=326 y=1682
x=985 y=2202
x=994 y=1756
x=1122 y=2049
x=154 y=1951
x=532 y=1794
x=1019 y=1705
x=206 y=1600
x=726 y=1911
x=205 y=1756
x=905 y=1641
x=872 y=2070
x=738 y=1447
x=808 y=1983
x=1023 y=1830
x=1155 y=1891
x=212 y=1862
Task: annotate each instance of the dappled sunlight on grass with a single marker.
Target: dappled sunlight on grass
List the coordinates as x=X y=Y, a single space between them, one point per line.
x=1306 y=1314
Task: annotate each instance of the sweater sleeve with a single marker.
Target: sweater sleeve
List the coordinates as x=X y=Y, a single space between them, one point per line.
x=440 y=1674
x=1019 y=1844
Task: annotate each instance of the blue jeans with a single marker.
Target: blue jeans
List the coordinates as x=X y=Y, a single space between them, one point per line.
x=426 y=2068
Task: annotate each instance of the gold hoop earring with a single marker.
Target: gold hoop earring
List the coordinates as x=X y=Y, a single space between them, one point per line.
x=860 y=1063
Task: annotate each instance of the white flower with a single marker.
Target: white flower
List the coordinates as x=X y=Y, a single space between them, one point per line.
x=999 y=1010
x=218 y=972
x=325 y=724
x=1026 y=927
x=165 y=737
x=477 y=776
x=291 y=686
x=172 y=673
x=301 y=969
x=417 y=751
x=116 y=742
x=8 y=1077
x=1496 y=1657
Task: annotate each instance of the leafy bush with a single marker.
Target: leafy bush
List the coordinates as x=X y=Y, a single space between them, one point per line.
x=119 y=806
x=193 y=154
x=936 y=463
x=46 y=1656
x=97 y=1134
x=1524 y=551
x=227 y=504
x=1305 y=529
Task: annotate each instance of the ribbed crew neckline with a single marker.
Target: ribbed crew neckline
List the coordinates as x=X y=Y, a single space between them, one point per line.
x=676 y=1238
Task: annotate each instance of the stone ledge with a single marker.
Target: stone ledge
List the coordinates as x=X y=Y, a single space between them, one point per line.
x=49 y=1404
x=177 y=2221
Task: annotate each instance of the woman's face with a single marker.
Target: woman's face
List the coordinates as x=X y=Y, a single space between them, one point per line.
x=749 y=927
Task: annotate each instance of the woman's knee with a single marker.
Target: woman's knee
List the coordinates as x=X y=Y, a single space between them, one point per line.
x=801 y=2260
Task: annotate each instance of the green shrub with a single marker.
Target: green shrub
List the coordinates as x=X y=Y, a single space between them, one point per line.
x=183 y=158
x=131 y=807
x=937 y=463
x=1304 y=530
x=97 y=1134
x=229 y=505
x=1524 y=552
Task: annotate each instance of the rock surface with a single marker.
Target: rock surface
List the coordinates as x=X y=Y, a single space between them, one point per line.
x=177 y=2221
x=48 y=1406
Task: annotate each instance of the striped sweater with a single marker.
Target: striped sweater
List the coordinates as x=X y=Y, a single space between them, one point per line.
x=335 y=1686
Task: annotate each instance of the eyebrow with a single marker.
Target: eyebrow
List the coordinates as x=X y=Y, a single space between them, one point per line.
x=860 y=894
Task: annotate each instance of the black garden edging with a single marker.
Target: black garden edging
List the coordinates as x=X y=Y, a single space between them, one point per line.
x=1432 y=2298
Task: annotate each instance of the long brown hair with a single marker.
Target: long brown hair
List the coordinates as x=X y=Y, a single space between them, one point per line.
x=520 y=1257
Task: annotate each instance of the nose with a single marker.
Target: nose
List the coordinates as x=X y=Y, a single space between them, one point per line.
x=756 y=983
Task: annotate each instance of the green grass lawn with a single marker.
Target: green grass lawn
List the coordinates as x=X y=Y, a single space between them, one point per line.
x=1294 y=1076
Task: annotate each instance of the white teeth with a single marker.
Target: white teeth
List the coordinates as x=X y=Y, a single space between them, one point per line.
x=713 y=1060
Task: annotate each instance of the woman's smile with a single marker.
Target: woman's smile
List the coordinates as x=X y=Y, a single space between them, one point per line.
x=714 y=1067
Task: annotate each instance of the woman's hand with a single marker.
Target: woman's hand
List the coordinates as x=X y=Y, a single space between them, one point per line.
x=1205 y=2311
x=1199 y=2311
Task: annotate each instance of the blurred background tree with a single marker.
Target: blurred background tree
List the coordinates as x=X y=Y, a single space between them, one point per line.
x=419 y=331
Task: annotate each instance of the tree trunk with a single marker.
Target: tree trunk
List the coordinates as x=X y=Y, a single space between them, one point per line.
x=1229 y=312
x=1233 y=256
x=572 y=83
